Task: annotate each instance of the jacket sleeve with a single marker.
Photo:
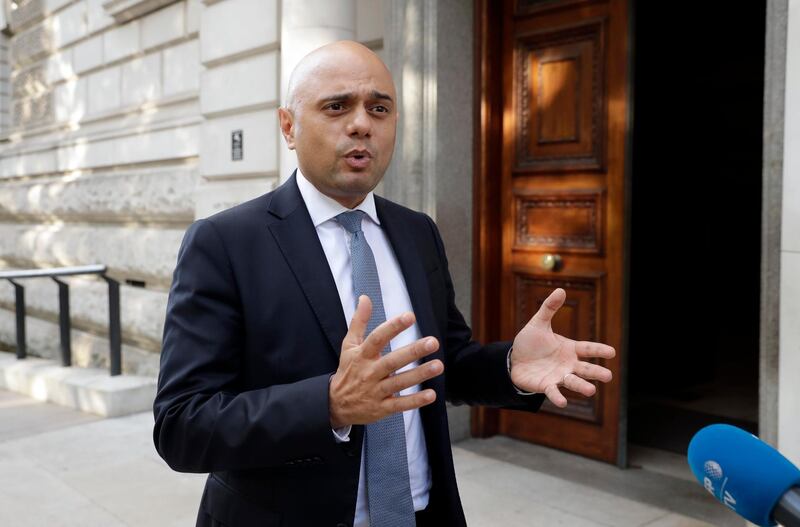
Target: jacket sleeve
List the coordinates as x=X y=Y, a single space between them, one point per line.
x=475 y=373
x=203 y=421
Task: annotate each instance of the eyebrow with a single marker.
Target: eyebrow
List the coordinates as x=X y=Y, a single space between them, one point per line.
x=374 y=94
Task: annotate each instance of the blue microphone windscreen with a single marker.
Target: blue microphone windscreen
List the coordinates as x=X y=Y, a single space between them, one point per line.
x=741 y=471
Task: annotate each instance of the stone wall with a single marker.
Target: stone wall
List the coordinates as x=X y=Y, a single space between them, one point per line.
x=5 y=84
x=117 y=122
x=99 y=162
x=248 y=49
x=239 y=49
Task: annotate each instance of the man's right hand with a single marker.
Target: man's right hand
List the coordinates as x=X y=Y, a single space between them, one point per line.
x=363 y=388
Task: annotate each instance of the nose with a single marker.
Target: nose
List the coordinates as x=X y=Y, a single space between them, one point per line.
x=360 y=124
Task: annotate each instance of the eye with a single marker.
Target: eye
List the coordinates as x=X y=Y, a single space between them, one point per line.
x=335 y=106
x=380 y=109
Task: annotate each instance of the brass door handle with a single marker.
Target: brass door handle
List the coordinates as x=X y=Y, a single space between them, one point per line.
x=551 y=262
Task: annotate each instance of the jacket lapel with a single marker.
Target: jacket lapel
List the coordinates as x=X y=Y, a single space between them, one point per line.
x=416 y=277
x=299 y=243
x=405 y=249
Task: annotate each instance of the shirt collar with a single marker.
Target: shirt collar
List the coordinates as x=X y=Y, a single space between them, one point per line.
x=322 y=208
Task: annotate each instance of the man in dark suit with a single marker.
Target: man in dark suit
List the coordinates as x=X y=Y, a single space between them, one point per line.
x=299 y=420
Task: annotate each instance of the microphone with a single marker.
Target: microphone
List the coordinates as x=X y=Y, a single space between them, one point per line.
x=746 y=475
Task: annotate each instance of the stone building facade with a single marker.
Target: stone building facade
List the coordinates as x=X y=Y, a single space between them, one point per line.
x=122 y=121
x=99 y=163
x=112 y=104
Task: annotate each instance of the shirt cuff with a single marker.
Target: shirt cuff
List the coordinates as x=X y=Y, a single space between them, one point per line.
x=342 y=435
x=508 y=367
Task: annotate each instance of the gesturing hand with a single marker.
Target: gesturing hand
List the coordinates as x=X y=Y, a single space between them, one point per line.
x=363 y=388
x=541 y=360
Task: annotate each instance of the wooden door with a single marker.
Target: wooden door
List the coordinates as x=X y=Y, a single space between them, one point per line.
x=550 y=158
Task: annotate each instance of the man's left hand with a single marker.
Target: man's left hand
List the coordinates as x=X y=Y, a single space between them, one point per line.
x=541 y=360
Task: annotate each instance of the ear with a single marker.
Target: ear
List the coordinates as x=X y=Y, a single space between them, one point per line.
x=287 y=126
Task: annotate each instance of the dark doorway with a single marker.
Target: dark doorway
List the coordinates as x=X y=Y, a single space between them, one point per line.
x=695 y=238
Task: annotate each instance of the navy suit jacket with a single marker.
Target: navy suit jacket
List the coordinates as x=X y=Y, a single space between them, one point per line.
x=253 y=332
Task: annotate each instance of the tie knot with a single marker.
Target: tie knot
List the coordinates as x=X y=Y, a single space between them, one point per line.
x=351 y=220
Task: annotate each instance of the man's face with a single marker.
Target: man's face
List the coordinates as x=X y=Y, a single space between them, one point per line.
x=342 y=124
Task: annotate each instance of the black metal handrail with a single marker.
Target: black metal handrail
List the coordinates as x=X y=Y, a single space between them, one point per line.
x=114 y=330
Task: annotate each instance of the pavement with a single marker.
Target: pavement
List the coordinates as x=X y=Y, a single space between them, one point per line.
x=60 y=467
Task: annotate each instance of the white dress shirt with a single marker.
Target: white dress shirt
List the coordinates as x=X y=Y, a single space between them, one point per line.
x=335 y=242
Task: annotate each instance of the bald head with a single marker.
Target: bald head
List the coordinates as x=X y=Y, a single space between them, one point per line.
x=340 y=117
x=328 y=59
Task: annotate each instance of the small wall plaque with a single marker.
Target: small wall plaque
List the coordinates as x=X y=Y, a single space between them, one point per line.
x=237 y=145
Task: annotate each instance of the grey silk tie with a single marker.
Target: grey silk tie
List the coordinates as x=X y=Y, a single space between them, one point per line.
x=385 y=458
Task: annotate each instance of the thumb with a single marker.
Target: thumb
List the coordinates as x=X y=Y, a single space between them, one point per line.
x=358 y=324
x=550 y=306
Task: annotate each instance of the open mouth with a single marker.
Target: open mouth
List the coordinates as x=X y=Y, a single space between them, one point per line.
x=358 y=158
x=359 y=154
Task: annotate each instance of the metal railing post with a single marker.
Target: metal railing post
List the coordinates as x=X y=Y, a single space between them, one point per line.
x=114 y=329
x=19 y=303
x=64 y=322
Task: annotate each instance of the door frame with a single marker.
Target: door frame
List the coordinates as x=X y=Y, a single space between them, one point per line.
x=487 y=224
x=487 y=153
x=775 y=51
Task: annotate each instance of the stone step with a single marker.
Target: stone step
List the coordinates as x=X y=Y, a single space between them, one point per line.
x=89 y=390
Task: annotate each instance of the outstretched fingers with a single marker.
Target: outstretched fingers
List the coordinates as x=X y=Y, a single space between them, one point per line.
x=396 y=383
x=578 y=385
x=391 y=362
x=594 y=350
x=413 y=401
x=595 y=372
x=380 y=337
x=556 y=397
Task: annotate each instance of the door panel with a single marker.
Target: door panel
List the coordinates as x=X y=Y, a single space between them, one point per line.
x=551 y=169
x=567 y=221
x=558 y=80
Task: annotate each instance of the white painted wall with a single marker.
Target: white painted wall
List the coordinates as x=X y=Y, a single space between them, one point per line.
x=789 y=383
